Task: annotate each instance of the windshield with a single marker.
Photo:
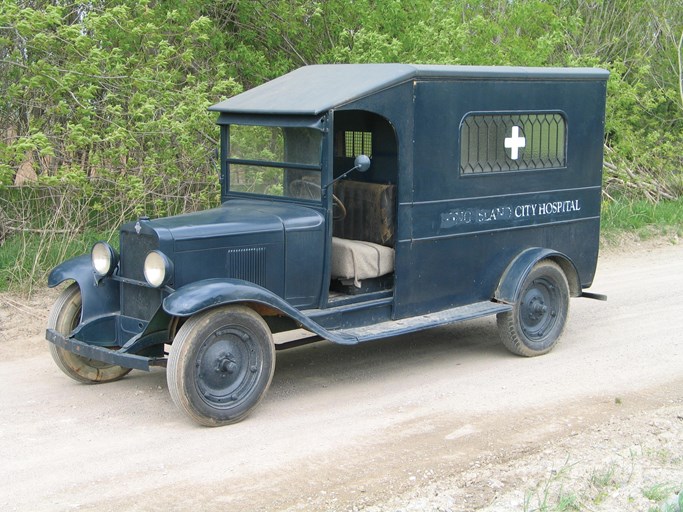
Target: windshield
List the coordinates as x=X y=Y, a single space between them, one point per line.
x=275 y=161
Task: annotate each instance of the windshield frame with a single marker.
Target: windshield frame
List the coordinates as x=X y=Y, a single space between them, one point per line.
x=228 y=163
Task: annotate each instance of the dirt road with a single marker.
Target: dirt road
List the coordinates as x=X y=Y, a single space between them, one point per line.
x=442 y=420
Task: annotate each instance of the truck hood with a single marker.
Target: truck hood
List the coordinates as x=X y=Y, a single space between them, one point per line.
x=239 y=217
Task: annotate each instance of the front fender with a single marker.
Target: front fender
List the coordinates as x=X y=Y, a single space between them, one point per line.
x=98 y=298
x=511 y=281
x=208 y=293
x=79 y=269
x=201 y=295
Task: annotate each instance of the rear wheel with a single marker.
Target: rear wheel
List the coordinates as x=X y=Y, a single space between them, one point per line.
x=537 y=320
x=220 y=365
x=64 y=317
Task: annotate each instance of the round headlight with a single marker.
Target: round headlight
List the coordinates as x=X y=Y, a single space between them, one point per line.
x=158 y=269
x=104 y=259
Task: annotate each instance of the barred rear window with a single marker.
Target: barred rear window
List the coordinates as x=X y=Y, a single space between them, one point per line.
x=492 y=143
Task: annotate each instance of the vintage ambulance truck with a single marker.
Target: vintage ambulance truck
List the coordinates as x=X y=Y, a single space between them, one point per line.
x=358 y=202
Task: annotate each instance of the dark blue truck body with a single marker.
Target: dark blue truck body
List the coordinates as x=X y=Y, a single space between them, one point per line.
x=482 y=197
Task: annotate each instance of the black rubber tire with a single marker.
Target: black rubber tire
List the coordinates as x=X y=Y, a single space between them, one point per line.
x=536 y=322
x=220 y=365
x=64 y=317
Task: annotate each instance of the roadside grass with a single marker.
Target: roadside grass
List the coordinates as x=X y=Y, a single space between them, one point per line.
x=26 y=258
x=602 y=482
x=42 y=226
x=563 y=490
x=641 y=219
x=669 y=498
x=45 y=224
x=550 y=494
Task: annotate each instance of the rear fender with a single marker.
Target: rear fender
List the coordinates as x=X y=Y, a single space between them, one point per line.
x=516 y=272
x=99 y=298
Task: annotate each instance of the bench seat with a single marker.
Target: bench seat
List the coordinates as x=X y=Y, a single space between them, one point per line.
x=358 y=260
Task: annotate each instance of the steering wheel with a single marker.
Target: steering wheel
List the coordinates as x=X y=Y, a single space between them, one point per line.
x=305 y=189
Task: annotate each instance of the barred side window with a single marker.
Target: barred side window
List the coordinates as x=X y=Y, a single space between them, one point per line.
x=357 y=143
x=492 y=143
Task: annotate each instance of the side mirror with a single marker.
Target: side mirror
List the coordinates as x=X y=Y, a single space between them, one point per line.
x=361 y=163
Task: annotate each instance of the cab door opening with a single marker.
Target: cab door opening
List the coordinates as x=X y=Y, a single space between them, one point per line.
x=363 y=235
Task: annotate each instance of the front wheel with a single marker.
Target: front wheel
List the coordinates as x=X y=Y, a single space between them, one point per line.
x=220 y=365
x=64 y=317
x=537 y=320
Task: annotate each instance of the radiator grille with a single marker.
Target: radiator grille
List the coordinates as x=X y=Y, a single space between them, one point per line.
x=248 y=263
x=137 y=301
x=134 y=249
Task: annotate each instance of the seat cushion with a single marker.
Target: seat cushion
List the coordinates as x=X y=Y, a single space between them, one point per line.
x=358 y=260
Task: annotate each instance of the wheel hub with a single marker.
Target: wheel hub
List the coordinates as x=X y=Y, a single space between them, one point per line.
x=537 y=308
x=226 y=367
x=226 y=364
x=538 y=312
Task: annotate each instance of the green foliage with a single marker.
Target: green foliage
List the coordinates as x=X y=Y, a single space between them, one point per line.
x=527 y=32
x=112 y=91
x=639 y=42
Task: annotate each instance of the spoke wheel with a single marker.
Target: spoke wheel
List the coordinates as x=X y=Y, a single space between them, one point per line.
x=537 y=320
x=220 y=365
x=64 y=317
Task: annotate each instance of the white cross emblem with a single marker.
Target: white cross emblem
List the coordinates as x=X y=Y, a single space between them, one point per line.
x=515 y=142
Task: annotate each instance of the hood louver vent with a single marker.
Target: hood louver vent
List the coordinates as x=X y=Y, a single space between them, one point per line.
x=249 y=264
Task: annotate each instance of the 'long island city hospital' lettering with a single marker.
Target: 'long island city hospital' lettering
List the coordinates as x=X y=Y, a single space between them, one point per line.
x=457 y=217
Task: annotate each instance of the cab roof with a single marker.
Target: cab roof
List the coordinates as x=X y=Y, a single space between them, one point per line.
x=312 y=90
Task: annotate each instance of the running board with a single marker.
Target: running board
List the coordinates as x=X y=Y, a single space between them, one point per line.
x=418 y=323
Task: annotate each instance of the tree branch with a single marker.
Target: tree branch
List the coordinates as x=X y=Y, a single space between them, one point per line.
x=680 y=67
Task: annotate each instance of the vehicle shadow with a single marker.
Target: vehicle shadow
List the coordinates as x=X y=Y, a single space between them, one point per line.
x=305 y=370
x=325 y=363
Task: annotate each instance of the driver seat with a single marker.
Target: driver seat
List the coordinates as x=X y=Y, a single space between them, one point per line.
x=362 y=245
